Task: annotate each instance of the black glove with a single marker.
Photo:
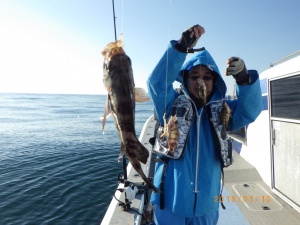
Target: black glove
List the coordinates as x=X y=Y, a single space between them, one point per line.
x=188 y=40
x=236 y=68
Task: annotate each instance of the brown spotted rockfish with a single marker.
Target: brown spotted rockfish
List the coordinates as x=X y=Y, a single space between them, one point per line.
x=202 y=90
x=122 y=94
x=224 y=119
x=171 y=132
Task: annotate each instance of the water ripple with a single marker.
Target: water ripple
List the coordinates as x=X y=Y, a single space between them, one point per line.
x=56 y=167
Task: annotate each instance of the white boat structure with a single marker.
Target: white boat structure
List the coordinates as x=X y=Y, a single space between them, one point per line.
x=263 y=184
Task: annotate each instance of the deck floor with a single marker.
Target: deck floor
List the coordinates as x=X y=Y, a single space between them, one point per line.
x=248 y=200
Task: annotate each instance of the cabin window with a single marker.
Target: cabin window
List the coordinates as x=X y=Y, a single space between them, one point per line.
x=285 y=97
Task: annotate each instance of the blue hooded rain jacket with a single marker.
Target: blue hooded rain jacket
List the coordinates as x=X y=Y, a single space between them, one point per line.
x=192 y=183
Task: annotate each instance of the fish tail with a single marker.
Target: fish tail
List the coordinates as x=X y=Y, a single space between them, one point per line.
x=140 y=154
x=223 y=132
x=137 y=166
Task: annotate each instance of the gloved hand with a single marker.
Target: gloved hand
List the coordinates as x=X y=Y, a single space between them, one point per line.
x=189 y=38
x=236 y=67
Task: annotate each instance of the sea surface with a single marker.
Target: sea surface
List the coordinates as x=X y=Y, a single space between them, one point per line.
x=56 y=166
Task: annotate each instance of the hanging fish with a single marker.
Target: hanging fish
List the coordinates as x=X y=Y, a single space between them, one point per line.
x=202 y=90
x=171 y=133
x=224 y=118
x=118 y=81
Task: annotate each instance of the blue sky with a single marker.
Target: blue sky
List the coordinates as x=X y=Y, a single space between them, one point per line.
x=54 y=46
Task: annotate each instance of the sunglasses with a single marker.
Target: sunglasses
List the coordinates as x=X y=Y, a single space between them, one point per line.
x=205 y=78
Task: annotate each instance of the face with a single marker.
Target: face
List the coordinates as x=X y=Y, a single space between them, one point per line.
x=200 y=74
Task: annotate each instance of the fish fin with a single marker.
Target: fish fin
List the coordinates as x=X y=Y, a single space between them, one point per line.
x=107 y=112
x=104 y=117
x=141 y=95
x=122 y=152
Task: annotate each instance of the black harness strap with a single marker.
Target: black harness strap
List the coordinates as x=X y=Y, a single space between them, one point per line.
x=162 y=183
x=221 y=196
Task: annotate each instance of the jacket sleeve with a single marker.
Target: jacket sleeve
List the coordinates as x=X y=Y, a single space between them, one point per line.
x=160 y=81
x=249 y=103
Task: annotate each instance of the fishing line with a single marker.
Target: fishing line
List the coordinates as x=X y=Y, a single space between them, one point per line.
x=122 y=18
x=167 y=62
x=114 y=17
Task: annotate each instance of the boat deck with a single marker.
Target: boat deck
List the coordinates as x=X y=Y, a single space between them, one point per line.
x=248 y=200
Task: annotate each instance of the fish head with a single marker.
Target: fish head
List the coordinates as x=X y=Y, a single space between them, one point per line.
x=201 y=89
x=112 y=49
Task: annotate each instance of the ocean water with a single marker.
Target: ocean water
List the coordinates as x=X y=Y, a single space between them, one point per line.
x=56 y=166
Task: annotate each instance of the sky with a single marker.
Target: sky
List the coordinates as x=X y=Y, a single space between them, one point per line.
x=54 y=46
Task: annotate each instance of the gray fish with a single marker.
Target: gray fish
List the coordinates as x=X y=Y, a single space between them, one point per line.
x=224 y=119
x=202 y=90
x=118 y=81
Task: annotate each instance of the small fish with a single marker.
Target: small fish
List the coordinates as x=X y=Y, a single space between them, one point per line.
x=118 y=81
x=224 y=118
x=171 y=132
x=202 y=90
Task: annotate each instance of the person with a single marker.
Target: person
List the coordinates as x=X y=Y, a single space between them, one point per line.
x=190 y=184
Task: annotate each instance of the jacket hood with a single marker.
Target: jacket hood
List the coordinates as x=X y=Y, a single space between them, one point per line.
x=204 y=58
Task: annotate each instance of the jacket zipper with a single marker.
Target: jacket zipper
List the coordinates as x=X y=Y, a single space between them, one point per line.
x=198 y=152
x=198 y=143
